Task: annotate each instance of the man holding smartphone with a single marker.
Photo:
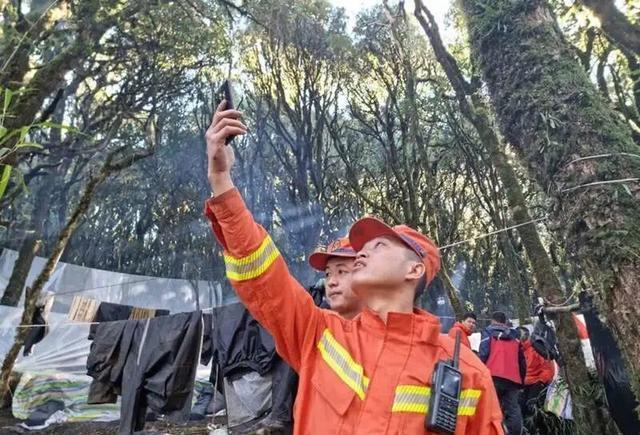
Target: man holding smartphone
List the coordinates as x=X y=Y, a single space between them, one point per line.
x=368 y=375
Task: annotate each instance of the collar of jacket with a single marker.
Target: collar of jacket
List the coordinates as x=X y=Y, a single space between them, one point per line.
x=419 y=325
x=502 y=332
x=463 y=327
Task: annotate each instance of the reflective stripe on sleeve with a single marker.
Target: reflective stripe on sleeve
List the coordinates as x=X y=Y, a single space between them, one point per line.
x=254 y=264
x=468 y=401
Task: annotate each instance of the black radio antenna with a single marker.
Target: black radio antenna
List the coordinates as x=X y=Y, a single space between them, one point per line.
x=456 y=351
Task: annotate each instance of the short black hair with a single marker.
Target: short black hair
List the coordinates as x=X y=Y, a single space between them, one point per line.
x=499 y=317
x=469 y=314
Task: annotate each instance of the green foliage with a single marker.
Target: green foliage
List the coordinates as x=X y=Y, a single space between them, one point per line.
x=342 y=122
x=12 y=141
x=4 y=179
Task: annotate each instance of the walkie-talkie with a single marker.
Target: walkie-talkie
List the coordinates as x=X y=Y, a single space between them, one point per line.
x=445 y=394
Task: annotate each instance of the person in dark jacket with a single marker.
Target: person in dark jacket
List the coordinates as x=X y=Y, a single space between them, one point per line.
x=501 y=351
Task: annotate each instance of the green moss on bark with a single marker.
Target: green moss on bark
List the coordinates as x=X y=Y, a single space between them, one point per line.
x=551 y=113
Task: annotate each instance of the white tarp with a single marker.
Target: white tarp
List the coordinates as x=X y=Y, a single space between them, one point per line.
x=63 y=352
x=65 y=348
x=69 y=280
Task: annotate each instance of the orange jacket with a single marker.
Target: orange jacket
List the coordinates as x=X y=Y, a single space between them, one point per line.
x=538 y=368
x=358 y=376
x=464 y=333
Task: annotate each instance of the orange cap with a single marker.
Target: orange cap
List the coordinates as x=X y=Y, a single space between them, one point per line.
x=369 y=228
x=339 y=248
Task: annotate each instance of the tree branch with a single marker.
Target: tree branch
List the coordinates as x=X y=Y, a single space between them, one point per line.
x=615 y=25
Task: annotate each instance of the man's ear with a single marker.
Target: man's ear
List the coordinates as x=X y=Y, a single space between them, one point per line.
x=416 y=270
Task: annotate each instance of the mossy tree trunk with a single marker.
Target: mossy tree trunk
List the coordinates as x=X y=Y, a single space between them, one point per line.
x=452 y=293
x=31 y=244
x=575 y=146
x=28 y=250
x=587 y=409
x=518 y=288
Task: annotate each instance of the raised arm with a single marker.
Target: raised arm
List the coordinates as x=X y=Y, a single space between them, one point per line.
x=253 y=263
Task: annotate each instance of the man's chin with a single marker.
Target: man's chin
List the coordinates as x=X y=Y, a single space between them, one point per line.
x=359 y=287
x=336 y=306
x=358 y=277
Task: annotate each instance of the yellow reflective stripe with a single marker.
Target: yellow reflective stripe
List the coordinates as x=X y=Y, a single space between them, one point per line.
x=466 y=410
x=339 y=360
x=468 y=401
x=411 y=398
x=470 y=394
x=254 y=264
x=413 y=389
x=415 y=398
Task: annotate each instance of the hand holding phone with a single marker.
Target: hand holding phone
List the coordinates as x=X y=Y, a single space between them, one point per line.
x=225 y=124
x=224 y=94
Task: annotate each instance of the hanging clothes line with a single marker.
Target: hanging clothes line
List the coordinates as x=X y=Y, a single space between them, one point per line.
x=107 y=321
x=533 y=221
x=597 y=183
x=209 y=309
x=83 y=290
x=600 y=156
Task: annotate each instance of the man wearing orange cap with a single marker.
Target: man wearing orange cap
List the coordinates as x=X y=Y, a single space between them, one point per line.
x=337 y=264
x=369 y=375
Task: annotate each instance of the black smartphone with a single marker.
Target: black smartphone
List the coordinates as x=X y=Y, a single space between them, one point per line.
x=224 y=93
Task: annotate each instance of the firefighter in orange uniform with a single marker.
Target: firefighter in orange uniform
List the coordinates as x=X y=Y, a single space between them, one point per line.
x=465 y=327
x=368 y=375
x=540 y=373
x=337 y=264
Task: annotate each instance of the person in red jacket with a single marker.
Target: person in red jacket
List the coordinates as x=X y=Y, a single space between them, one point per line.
x=337 y=264
x=540 y=373
x=539 y=369
x=501 y=351
x=368 y=375
x=466 y=326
